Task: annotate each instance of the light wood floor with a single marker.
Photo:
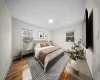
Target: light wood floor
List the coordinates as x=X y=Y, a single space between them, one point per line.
x=17 y=68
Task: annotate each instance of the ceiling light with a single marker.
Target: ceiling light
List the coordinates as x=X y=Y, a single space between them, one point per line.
x=50 y=21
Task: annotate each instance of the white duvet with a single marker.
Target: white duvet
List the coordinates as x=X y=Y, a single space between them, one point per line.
x=48 y=58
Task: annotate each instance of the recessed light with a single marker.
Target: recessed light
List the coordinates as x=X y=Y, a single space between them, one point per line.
x=50 y=21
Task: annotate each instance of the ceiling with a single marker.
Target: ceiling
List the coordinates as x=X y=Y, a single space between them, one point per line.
x=38 y=12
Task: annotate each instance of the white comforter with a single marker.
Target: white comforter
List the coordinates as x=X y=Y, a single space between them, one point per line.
x=48 y=58
x=37 y=50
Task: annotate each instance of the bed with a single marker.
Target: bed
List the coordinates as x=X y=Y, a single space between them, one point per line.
x=46 y=54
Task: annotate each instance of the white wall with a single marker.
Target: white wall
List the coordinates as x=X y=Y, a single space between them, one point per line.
x=17 y=40
x=5 y=41
x=59 y=36
x=93 y=58
x=2 y=4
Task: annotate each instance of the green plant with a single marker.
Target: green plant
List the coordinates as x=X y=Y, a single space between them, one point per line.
x=77 y=51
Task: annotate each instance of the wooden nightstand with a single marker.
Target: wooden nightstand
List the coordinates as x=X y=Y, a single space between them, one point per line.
x=25 y=52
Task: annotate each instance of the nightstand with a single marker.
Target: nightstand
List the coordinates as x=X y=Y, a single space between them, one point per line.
x=25 y=52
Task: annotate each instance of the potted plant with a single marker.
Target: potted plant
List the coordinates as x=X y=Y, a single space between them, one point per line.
x=77 y=55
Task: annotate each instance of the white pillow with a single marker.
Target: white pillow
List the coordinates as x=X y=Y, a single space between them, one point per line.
x=38 y=45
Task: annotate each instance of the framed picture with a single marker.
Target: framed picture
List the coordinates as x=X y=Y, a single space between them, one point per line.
x=70 y=36
x=40 y=35
x=26 y=33
x=27 y=38
x=45 y=35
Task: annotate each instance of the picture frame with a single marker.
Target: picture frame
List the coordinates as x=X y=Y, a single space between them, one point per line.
x=40 y=35
x=27 y=33
x=27 y=37
x=70 y=36
x=45 y=35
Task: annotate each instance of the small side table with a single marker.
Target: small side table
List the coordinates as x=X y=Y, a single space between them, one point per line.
x=25 y=52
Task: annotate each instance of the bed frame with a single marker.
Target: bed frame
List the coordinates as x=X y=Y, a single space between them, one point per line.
x=34 y=44
x=42 y=41
x=39 y=41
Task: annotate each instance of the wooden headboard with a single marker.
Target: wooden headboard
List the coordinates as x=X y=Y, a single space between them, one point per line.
x=38 y=41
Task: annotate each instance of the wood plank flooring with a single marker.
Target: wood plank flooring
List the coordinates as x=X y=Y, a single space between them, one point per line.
x=17 y=68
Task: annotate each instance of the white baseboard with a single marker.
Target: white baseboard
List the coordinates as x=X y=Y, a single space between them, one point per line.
x=7 y=70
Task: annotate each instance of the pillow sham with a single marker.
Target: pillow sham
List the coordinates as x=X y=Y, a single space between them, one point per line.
x=38 y=45
x=47 y=44
x=44 y=44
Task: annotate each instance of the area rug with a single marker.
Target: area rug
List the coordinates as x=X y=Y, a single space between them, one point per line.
x=27 y=74
x=54 y=70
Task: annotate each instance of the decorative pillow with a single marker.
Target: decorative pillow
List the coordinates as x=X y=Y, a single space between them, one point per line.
x=47 y=44
x=42 y=44
x=38 y=45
